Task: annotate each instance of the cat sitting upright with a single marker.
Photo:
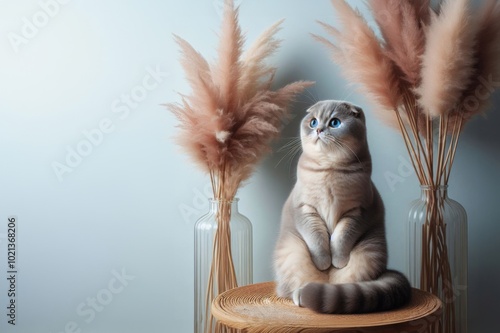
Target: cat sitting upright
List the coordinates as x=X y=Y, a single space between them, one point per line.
x=331 y=254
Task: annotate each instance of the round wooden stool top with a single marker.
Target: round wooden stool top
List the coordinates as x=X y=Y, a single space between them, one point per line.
x=256 y=308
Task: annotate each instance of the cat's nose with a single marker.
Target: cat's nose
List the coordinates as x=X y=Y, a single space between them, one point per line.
x=319 y=130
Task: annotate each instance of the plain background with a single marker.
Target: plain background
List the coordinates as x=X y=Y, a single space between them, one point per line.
x=130 y=204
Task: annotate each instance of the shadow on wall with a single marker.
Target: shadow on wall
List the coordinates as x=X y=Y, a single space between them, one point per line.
x=478 y=187
x=485 y=131
x=281 y=165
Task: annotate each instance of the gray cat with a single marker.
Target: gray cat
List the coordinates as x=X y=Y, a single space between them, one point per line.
x=331 y=254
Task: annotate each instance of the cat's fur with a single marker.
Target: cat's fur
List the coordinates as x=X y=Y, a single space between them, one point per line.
x=331 y=254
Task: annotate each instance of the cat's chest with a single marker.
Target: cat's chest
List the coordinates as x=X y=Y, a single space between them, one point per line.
x=332 y=199
x=326 y=203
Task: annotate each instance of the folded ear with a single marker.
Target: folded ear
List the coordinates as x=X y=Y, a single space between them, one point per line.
x=356 y=111
x=311 y=108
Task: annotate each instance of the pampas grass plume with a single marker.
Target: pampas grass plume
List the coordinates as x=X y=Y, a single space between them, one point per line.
x=448 y=60
x=228 y=121
x=402 y=26
x=487 y=64
x=359 y=53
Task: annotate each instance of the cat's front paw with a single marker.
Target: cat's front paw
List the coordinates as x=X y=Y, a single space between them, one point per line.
x=322 y=262
x=296 y=296
x=340 y=261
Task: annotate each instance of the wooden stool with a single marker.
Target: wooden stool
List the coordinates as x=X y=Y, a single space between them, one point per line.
x=256 y=308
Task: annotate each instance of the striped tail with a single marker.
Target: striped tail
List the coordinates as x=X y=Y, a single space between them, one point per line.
x=389 y=291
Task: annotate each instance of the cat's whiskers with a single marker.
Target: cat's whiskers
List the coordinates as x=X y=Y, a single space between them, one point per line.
x=292 y=148
x=339 y=143
x=349 y=91
x=311 y=96
x=293 y=142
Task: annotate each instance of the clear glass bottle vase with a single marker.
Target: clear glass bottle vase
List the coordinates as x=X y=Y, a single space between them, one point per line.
x=221 y=226
x=437 y=238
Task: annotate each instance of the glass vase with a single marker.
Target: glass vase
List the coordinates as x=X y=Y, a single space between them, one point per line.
x=437 y=238
x=223 y=258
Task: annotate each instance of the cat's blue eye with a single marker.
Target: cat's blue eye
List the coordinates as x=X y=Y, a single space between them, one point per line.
x=313 y=123
x=335 y=123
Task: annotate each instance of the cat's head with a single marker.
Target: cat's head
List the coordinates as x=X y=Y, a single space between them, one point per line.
x=334 y=131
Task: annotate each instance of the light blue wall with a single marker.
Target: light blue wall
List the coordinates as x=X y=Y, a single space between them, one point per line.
x=128 y=207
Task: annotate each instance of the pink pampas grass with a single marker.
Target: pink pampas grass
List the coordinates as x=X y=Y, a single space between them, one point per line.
x=402 y=26
x=448 y=61
x=228 y=121
x=362 y=59
x=475 y=98
x=430 y=63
